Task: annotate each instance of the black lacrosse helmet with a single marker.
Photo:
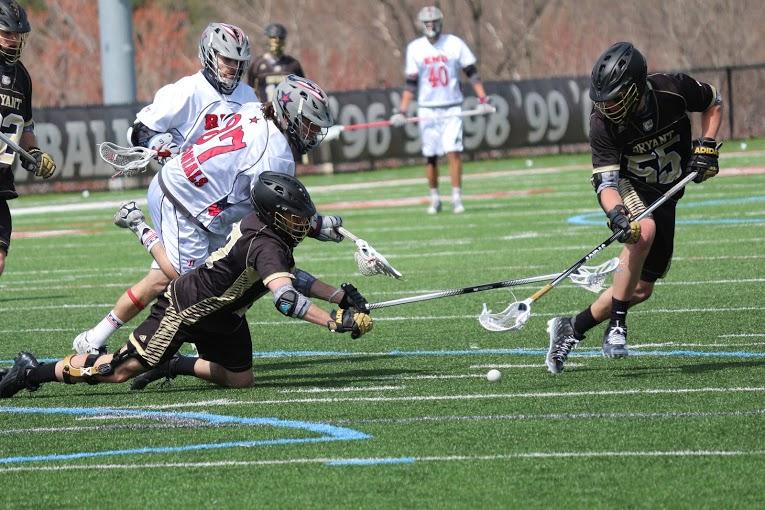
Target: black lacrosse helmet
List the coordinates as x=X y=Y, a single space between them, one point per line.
x=619 y=79
x=282 y=202
x=276 y=30
x=13 y=19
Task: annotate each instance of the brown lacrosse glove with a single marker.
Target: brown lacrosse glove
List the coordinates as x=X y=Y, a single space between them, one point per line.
x=351 y=320
x=44 y=166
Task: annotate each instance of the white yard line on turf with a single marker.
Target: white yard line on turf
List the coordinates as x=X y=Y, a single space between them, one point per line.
x=361 y=462
x=343 y=389
x=523 y=365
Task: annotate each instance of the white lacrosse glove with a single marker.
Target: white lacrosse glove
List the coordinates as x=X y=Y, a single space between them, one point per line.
x=333 y=133
x=324 y=228
x=165 y=147
x=484 y=106
x=398 y=119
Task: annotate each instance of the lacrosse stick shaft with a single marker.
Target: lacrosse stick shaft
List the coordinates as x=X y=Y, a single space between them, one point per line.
x=347 y=233
x=16 y=147
x=412 y=120
x=459 y=292
x=602 y=246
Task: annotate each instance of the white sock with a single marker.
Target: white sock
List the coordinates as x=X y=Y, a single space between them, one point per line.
x=456 y=194
x=434 y=196
x=98 y=336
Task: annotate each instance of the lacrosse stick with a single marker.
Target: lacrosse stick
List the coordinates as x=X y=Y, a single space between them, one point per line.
x=370 y=262
x=517 y=313
x=412 y=120
x=588 y=277
x=16 y=147
x=128 y=161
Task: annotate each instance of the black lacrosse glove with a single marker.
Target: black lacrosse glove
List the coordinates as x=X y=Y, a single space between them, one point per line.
x=705 y=153
x=352 y=298
x=44 y=166
x=351 y=320
x=619 y=221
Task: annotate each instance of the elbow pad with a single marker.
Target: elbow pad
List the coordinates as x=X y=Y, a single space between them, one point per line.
x=303 y=281
x=290 y=302
x=411 y=84
x=471 y=72
x=603 y=180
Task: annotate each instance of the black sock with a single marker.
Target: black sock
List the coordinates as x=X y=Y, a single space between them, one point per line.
x=619 y=311
x=182 y=365
x=584 y=322
x=42 y=374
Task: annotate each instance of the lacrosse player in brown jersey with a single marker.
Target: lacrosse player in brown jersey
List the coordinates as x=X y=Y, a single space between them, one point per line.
x=207 y=305
x=268 y=70
x=16 y=115
x=641 y=141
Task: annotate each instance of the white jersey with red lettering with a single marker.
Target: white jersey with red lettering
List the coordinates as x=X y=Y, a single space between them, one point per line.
x=217 y=172
x=191 y=106
x=437 y=66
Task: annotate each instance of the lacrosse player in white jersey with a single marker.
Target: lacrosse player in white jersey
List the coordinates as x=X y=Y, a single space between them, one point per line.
x=433 y=64
x=180 y=113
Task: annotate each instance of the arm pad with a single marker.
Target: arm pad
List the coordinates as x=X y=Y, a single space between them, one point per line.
x=303 y=281
x=411 y=83
x=290 y=302
x=603 y=180
x=471 y=72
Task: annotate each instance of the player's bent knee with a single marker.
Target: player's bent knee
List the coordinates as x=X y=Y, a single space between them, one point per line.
x=643 y=291
x=239 y=379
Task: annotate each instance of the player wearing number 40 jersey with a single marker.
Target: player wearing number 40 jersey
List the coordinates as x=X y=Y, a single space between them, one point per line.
x=197 y=196
x=433 y=65
x=15 y=115
x=640 y=135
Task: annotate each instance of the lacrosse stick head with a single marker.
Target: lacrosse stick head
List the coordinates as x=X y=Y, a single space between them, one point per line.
x=128 y=161
x=592 y=278
x=511 y=318
x=370 y=262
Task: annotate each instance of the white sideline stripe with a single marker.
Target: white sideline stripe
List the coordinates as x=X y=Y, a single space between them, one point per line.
x=200 y=403
x=523 y=365
x=552 y=416
x=741 y=335
x=342 y=390
x=479 y=396
x=90 y=206
x=374 y=460
x=680 y=344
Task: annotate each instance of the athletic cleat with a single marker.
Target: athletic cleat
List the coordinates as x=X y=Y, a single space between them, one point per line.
x=562 y=340
x=129 y=215
x=16 y=378
x=81 y=345
x=434 y=208
x=457 y=207
x=159 y=372
x=615 y=341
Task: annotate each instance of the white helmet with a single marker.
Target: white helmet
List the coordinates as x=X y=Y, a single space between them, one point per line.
x=227 y=41
x=431 y=20
x=302 y=112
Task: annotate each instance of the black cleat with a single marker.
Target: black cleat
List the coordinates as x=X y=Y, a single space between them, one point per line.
x=159 y=372
x=615 y=341
x=562 y=340
x=16 y=378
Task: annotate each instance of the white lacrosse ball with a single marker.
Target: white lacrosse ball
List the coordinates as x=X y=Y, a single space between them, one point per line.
x=493 y=375
x=85 y=193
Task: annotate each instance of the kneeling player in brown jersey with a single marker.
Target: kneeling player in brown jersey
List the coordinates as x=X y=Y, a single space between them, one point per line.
x=207 y=305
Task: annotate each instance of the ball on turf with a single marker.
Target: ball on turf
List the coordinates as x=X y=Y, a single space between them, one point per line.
x=85 y=193
x=493 y=375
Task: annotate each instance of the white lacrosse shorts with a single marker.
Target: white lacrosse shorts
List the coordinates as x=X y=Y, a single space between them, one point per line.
x=186 y=244
x=443 y=135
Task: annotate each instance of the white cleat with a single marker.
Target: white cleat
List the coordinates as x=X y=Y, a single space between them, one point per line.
x=457 y=207
x=81 y=345
x=434 y=208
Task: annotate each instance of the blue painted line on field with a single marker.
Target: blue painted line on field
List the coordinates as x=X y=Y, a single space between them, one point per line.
x=596 y=217
x=370 y=462
x=477 y=352
x=329 y=432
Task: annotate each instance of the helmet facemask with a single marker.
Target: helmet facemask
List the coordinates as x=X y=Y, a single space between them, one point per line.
x=11 y=46
x=282 y=202
x=293 y=226
x=621 y=108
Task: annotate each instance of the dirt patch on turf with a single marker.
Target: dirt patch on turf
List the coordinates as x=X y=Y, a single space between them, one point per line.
x=399 y=202
x=39 y=234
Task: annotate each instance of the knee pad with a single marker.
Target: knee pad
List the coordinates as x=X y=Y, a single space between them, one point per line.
x=85 y=372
